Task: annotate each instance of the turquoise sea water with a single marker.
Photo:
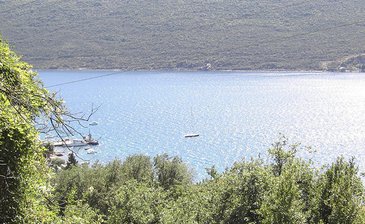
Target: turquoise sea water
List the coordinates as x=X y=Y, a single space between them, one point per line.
x=238 y=115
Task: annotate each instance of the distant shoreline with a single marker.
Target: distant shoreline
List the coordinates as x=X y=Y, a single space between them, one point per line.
x=190 y=71
x=183 y=70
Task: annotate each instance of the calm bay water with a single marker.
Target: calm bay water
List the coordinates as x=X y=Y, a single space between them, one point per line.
x=238 y=115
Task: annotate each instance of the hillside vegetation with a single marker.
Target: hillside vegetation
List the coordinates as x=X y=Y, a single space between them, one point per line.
x=184 y=34
x=151 y=191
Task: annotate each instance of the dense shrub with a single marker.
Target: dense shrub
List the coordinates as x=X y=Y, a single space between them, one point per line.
x=285 y=190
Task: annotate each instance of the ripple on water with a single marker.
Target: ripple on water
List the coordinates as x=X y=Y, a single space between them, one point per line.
x=238 y=115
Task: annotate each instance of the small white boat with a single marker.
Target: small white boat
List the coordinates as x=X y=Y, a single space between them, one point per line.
x=90 y=151
x=71 y=143
x=77 y=143
x=87 y=140
x=58 y=143
x=191 y=135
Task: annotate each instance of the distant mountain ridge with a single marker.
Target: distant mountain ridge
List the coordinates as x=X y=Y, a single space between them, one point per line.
x=184 y=34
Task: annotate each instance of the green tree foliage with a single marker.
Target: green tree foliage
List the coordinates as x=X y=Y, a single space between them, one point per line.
x=240 y=193
x=171 y=171
x=22 y=165
x=283 y=203
x=342 y=193
x=79 y=212
x=91 y=185
x=281 y=155
x=188 y=204
x=137 y=203
x=99 y=185
x=138 y=167
x=285 y=190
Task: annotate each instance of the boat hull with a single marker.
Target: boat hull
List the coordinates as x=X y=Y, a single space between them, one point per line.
x=191 y=135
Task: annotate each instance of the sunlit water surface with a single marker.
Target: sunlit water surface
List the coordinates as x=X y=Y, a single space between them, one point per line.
x=238 y=115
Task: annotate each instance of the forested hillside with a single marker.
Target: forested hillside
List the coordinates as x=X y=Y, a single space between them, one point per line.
x=184 y=34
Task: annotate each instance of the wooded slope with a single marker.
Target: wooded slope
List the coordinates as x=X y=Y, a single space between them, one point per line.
x=184 y=34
